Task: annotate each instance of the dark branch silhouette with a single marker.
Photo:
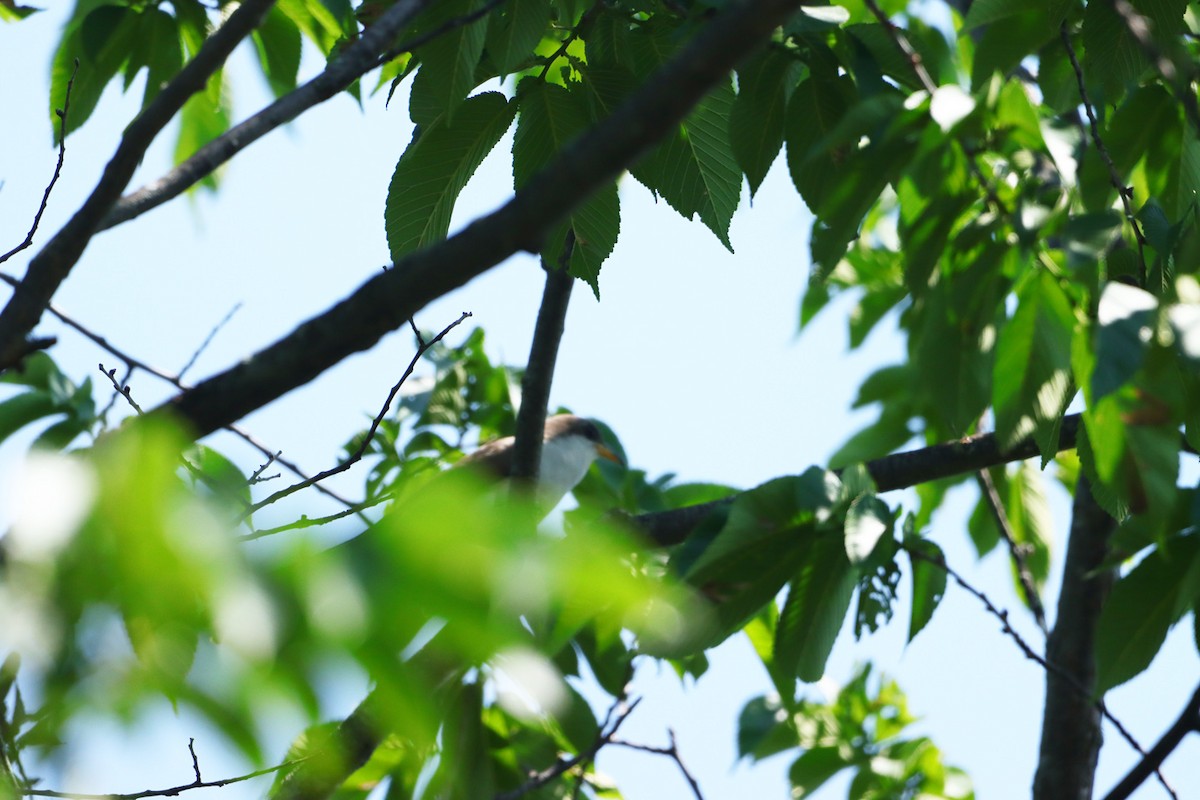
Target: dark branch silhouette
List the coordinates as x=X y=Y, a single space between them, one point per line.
x=51 y=266
x=539 y=370
x=357 y=60
x=385 y=302
x=1188 y=722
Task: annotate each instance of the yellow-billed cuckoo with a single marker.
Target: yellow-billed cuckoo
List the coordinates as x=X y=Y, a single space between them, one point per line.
x=569 y=447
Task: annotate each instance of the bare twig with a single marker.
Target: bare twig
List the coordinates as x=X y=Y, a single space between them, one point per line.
x=62 y=155
x=51 y=266
x=133 y=363
x=1187 y=722
x=356 y=60
x=1016 y=550
x=1124 y=191
x=311 y=522
x=357 y=455
x=441 y=30
x=617 y=714
x=1028 y=651
x=256 y=476
x=672 y=752
x=901 y=41
x=208 y=340
x=121 y=388
x=539 y=371
x=171 y=792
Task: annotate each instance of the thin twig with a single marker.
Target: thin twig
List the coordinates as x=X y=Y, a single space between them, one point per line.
x=256 y=476
x=1123 y=191
x=1187 y=722
x=357 y=455
x=671 y=751
x=1028 y=651
x=208 y=340
x=617 y=714
x=441 y=30
x=1016 y=550
x=122 y=388
x=171 y=792
x=311 y=522
x=134 y=363
x=62 y=155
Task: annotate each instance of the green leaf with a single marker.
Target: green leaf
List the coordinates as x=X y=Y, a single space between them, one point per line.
x=514 y=30
x=101 y=39
x=1112 y=54
x=204 y=117
x=867 y=521
x=1031 y=521
x=550 y=117
x=1031 y=380
x=694 y=168
x=928 y=582
x=817 y=601
x=1141 y=609
x=814 y=767
x=756 y=119
x=21 y=410
x=1006 y=41
x=760 y=732
x=11 y=12
x=435 y=167
x=277 y=42
x=816 y=107
x=447 y=73
x=157 y=47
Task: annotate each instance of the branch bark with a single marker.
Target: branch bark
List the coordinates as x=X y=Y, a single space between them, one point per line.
x=897 y=471
x=358 y=59
x=1188 y=722
x=385 y=302
x=539 y=371
x=51 y=266
x=1071 y=735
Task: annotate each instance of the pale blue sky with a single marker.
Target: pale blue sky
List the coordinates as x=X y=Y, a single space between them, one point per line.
x=692 y=357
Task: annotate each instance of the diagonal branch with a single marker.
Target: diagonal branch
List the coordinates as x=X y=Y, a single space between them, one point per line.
x=1188 y=722
x=1016 y=550
x=385 y=302
x=357 y=59
x=50 y=267
x=539 y=371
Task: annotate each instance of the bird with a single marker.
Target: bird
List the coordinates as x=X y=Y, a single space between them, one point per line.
x=569 y=446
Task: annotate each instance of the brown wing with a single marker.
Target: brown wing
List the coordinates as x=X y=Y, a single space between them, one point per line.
x=493 y=459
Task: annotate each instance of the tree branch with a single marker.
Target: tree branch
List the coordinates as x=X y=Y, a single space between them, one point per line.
x=1071 y=734
x=1188 y=722
x=50 y=267
x=539 y=371
x=357 y=59
x=386 y=301
x=896 y=471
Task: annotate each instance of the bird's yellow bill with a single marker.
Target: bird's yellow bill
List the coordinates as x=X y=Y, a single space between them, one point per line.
x=604 y=452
